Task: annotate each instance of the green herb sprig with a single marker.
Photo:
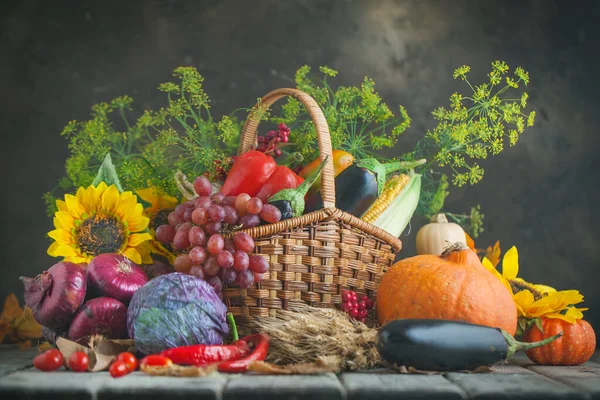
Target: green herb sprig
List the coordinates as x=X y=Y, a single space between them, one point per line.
x=359 y=121
x=149 y=150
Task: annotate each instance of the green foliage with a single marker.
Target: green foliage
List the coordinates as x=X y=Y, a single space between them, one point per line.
x=148 y=151
x=477 y=125
x=359 y=121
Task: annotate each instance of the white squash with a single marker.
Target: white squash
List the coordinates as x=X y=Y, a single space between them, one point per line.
x=438 y=234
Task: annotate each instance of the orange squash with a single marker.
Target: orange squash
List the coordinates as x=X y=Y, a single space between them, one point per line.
x=453 y=286
x=576 y=346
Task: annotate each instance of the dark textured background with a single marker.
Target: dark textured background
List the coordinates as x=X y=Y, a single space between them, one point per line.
x=58 y=58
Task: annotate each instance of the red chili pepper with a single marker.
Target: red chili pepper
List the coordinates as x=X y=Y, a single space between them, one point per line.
x=155 y=360
x=261 y=348
x=248 y=173
x=204 y=354
x=282 y=178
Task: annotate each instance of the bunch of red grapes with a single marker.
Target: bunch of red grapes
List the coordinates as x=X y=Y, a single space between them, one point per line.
x=204 y=232
x=269 y=142
x=357 y=307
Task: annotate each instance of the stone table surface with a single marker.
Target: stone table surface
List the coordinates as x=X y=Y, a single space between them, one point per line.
x=517 y=379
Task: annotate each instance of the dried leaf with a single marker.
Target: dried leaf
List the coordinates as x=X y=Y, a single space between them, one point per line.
x=410 y=370
x=292 y=369
x=492 y=253
x=179 y=370
x=18 y=323
x=102 y=351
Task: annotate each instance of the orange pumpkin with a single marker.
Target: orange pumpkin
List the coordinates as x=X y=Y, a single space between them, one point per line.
x=452 y=286
x=576 y=346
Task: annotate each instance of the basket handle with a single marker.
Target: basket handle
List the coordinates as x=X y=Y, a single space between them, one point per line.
x=249 y=132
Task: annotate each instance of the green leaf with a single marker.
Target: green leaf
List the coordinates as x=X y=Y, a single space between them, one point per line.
x=538 y=323
x=107 y=174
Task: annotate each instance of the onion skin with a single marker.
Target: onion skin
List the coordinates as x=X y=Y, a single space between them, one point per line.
x=114 y=275
x=100 y=316
x=55 y=295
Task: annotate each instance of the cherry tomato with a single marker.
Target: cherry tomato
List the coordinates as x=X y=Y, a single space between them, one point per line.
x=79 y=361
x=129 y=359
x=49 y=360
x=118 y=369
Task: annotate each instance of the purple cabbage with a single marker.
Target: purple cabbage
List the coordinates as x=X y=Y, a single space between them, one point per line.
x=175 y=310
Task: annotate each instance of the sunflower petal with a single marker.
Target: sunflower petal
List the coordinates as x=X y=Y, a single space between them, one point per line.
x=75 y=208
x=65 y=219
x=61 y=205
x=61 y=250
x=110 y=199
x=510 y=264
x=61 y=236
x=568 y=318
x=543 y=289
x=136 y=239
x=137 y=223
x=133 y=255
x=490 y=267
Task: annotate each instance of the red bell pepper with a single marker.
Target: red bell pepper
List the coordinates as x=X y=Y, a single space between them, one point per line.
x=248 y=173
x=281 y=178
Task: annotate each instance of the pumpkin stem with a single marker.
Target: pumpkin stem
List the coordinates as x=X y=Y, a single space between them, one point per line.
x=514 y=345
x=439 y=219
x=452 y=247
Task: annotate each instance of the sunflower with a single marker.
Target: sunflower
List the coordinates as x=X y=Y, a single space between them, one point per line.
x=100 y=220
x=160 y=205
x=535 y=300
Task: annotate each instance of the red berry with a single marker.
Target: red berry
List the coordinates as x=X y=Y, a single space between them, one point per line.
x=370 y=304
x=277 y=153
x=354 y=313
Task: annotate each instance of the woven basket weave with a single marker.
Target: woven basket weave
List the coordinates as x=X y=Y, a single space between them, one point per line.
x=315 y=256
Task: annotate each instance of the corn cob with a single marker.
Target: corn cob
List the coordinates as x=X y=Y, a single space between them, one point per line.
x=392 y=188
x=395 y=218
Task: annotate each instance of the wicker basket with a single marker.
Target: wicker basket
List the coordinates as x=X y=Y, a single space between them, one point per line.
x=315 y=256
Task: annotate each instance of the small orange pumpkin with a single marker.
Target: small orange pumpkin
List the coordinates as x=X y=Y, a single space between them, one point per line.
x=576 y=346
x=452 y=286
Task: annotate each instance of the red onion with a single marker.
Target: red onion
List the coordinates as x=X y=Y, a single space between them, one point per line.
x=116 y=276
x=100 y=316
x=55 y=294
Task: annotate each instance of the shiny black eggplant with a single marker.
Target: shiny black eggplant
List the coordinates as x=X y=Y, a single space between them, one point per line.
x=358 y=186
x=285 y=207
x=441 y=345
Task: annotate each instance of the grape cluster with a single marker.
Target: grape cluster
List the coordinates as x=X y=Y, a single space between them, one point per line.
x=204 y=232
x=357 y=307
x=269 y=142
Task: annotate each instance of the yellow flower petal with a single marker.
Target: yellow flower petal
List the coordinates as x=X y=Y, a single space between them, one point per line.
x=61 y=205
x=75 y=208
x=61 y=236
x=65 y=219
x=146 y=258
x=543 y=289
x=61 y=250
x=133 y=255
x=568 y=318
x=136 y=239
x=510 y=264
x=490 y=267
x=137 y=223
x=110 y=199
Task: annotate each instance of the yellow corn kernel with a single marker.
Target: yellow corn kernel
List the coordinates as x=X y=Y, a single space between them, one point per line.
x=392 y=188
